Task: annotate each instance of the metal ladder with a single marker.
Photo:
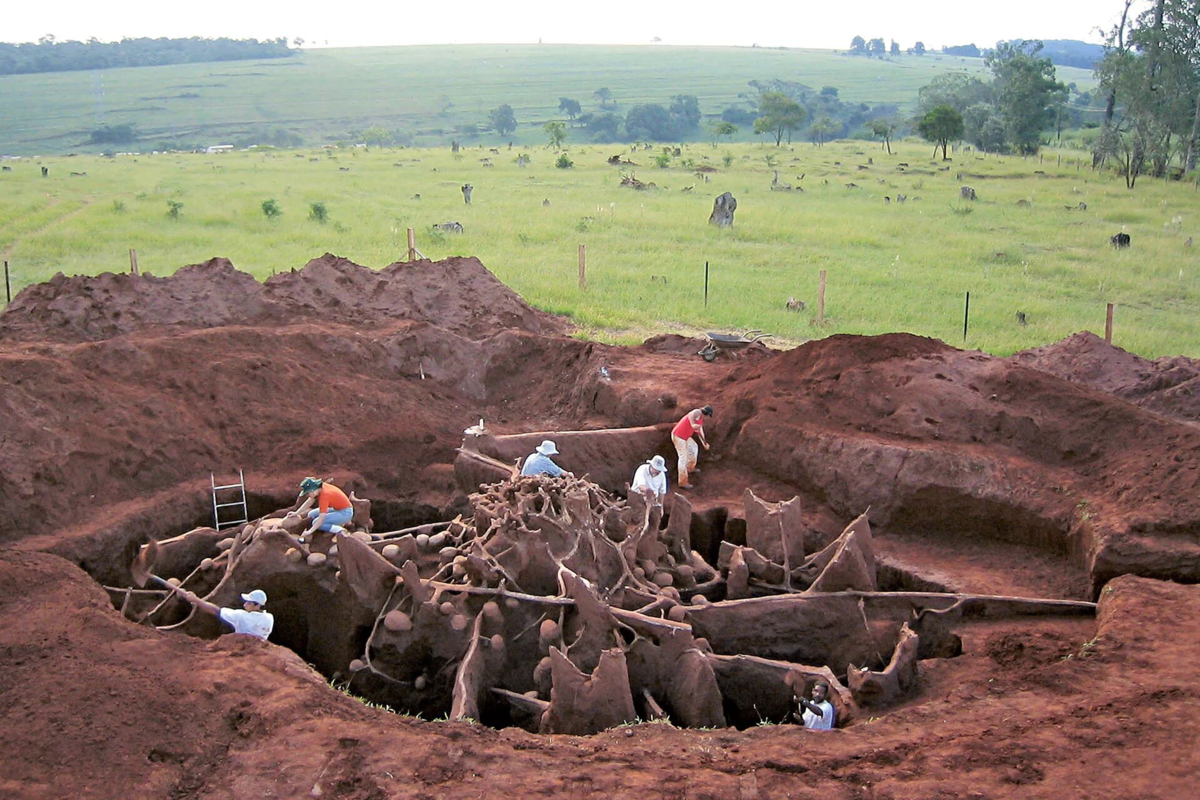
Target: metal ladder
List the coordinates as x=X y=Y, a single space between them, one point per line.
x=234 y=505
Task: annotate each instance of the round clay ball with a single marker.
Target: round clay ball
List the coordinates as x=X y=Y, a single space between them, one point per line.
x=677 y=613
x=356 y=665
x=423 y=540
x=459 y=622
x=316 y=559
x=397 y=621
x=390 y=551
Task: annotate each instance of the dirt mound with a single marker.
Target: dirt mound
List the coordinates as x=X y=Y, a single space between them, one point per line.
x=1169 y=386
x=458 y=295
x=164 y=715
x=940 y=440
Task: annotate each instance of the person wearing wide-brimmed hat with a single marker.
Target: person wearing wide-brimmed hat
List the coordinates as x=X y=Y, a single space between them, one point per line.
x=249 y=619
x=333 y=509
x=538 y=462
x=651 y=480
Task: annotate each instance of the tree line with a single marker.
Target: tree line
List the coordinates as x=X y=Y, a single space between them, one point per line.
x=1150 y=86
x=50 y=55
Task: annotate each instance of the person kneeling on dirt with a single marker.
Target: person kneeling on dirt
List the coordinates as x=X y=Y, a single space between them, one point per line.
x=816 y=714
x=651 y=481
x=692 y=424
x=250 y=618
x=333 y=509
x=539 y=463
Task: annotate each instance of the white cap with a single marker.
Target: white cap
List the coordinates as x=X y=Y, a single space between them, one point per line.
x=658 y=463
x=258 y=596
x=547 y=448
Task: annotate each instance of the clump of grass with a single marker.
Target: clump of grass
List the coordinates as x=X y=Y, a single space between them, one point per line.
x=564 y=161
x=318 y=213
x=174 y=209
x=271 y=209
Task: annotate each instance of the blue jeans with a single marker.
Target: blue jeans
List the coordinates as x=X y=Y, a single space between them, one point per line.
x=332 y=517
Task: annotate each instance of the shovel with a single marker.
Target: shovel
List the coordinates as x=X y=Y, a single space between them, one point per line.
x=140 y=569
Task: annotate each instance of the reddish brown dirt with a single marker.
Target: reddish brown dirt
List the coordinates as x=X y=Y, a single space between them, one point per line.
x=120 y=394
x=1170 y=386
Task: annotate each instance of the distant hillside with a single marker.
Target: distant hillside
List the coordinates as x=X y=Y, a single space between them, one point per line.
x=429 y=96
x=48 y=55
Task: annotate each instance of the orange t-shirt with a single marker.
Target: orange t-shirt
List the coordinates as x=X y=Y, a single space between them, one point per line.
x=332 y=498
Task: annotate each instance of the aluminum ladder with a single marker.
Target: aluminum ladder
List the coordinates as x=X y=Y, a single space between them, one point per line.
x=233 y=506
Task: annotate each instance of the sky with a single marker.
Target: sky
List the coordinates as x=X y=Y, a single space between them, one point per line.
x=768 y=23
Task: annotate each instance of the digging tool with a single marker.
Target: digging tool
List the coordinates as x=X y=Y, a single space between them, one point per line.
x=140 y=569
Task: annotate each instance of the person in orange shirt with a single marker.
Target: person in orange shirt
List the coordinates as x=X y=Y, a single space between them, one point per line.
x=333 y=510
x=691 y=425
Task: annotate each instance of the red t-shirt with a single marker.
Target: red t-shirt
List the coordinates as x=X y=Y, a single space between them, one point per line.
x=686 y=427
x=332 y=498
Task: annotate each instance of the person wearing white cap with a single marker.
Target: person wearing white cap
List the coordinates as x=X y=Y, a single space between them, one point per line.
x=539 y=463
x=250 y=618
x=651 y=480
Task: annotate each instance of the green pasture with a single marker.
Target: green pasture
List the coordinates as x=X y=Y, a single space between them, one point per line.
x=890 y=266
x=424 y=92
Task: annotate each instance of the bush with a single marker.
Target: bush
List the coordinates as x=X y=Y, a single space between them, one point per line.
x=119 y=206
x=318 y=213
x=271 y=209
x=662 y=161
x=564 y=161
x=727 y=159
x=174 y=207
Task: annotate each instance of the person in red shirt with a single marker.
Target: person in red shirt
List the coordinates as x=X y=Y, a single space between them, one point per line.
x=333 y=509
x=691 y=425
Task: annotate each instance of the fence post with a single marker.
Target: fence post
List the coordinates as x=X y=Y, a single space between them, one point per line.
x=133 y=267
x=412 y=245
x=7 y=288
x=582 y=266
x=821 y=300
x=706 y=283
x=966 y=316
x=1108 y=324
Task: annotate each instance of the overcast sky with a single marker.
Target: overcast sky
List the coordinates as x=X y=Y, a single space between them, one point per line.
x=696 y=22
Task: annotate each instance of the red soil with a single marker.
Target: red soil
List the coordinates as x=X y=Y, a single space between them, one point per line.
x=119 y=394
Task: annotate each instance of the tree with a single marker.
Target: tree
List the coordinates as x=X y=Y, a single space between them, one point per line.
x=721 y=128
x=895 y=48
x=778 y=114
x=918 y=49
x=604 y=95
x=883 y=128
x=377 y=134
x=1025 y=89
x=939 y=126
x=858 y=46
x=604 y=127
x=822 y=129
x=556 y=132
x=502 y=120
x=685 y=109
x=877 y=47
x=650 y=122
x=569 y=107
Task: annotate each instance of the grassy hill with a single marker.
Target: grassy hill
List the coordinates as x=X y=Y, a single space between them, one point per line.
x=1024 y=245
x=424 y=93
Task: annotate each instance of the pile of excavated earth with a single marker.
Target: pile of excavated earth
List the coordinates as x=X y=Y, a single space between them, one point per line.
x=990 y=561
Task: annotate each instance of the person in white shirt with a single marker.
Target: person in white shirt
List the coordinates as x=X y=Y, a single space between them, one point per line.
x=249 y=619
x=817 y=714
x=651 y=480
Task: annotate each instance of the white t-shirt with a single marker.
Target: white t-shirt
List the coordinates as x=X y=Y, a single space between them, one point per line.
x=255 y=623
x=821 y=723
x=642 y=479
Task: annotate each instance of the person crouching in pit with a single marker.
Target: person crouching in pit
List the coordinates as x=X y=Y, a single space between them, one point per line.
x=249 y=619
x=333 y=510
x=817 y=714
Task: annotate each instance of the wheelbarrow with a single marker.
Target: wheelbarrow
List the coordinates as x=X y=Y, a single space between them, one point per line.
x=716 y=342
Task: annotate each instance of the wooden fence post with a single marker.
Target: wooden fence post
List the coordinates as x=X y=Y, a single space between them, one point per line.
x=412 y=245
x=1108 y=324
x=7 y=288
x=133 y=267
x=821 y=301
x=582 y=266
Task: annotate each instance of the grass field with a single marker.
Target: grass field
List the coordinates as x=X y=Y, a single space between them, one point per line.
x=423 y=92
x=890 y=266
